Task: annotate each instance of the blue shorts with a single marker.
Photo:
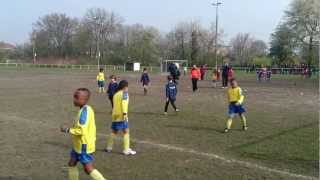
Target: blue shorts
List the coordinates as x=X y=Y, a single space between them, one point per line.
x=234 y=109
x=116 y=126
x=101 y=83
x=84 y=158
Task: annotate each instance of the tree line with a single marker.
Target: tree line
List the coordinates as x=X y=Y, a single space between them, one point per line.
x=103 y=34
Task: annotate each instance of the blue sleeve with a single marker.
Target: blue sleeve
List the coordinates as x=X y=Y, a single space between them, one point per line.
x=125 y=96
x=167 y=91
x=176 y=90
x=108 y=91
x=83 y=116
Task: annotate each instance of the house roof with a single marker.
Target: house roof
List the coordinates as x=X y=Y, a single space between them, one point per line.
x=6 y=46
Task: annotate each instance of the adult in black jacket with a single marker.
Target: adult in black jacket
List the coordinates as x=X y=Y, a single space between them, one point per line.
x=174 y=72
x=225 y=71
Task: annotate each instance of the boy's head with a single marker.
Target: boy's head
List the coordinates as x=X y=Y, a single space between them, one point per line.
x=145 y=70
x=233 y=83
x=113 y=78
x=101 y=70
x=170 y=78
x=81 y=97
x=123 y=85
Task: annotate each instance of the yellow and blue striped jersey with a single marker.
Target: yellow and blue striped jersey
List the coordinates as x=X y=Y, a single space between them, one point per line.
x=84 y=131
x=235 y=95
x=120 y=106
x=100 y=76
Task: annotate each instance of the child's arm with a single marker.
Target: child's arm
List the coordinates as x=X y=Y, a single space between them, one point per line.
x=80 y=127
x=125 y=104
x=148 y=79
x=109 y=86
x=240 y=101
x=167 y=92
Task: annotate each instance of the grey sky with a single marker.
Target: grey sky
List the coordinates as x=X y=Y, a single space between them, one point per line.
x=258 y=17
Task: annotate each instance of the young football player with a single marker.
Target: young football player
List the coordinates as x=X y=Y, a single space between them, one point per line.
x=145 y=80
x=100 y=80
x=171 y=94
x=120 y=118
x=113 y=85
x=83 y=135
x=235 y=99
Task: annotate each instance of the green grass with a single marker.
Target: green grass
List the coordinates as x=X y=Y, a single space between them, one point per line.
x=283 y=128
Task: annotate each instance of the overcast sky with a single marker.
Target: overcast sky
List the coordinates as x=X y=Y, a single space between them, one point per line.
x=258 y=17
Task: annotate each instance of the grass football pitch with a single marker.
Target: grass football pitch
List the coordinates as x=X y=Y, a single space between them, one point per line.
x=282 y=141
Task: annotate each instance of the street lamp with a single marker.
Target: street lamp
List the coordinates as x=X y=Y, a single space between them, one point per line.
x=98 y=31
x=217 y=4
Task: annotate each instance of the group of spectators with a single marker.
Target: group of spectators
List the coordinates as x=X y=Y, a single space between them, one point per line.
x=199 y=74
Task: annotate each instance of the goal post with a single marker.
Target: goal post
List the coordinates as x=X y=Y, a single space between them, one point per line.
x=179 y=63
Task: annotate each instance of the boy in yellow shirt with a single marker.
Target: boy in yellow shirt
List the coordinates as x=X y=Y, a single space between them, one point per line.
x=83 y=135
x=235 y=99
x=120 y=118
x=100 y=80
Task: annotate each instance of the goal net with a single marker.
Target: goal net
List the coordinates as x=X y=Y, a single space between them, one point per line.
x=164 y=65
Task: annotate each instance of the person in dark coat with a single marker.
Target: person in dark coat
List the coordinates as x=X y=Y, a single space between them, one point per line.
x=225 y=71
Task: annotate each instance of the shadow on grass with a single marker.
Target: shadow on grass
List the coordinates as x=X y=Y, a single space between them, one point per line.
x=147 y=113
x=196 y=128
x=58 y=144
x=273 y=136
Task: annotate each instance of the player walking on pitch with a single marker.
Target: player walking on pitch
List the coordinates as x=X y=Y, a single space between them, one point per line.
x=120 y=118
x=100 y=80
x=171 y=94
x=112 y=87
x=83 y=135
x=235 y=98
x=145 y=81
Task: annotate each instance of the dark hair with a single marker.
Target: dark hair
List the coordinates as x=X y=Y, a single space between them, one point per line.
x=144 y=69
x=112 y=77
x=122 y=84
x=101 y=69
x=87 y=91
x=232 y=79
x=170 y=78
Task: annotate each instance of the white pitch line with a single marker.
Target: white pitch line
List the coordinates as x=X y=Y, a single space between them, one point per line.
x=221 y=158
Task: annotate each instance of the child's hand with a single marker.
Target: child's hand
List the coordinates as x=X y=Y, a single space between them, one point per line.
x=64 y=129
x=238 y=104
x=125 y=117
x=167 y=99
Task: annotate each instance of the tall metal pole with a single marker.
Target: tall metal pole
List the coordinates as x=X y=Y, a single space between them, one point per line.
x=98 y=31
x=34 y=48
x=217 y=4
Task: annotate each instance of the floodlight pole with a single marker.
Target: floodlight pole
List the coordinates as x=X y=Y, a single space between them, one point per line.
x=217 y=4
x=98 y=41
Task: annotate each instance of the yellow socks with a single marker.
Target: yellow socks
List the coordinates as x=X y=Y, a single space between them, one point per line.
x=244 y=120
x=73 y=173
x=96 y=175
x=126 y=142
x=110 y=141
x=229 y=123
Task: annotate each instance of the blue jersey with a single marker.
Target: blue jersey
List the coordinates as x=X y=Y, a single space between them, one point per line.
x=112 y=88
x=171 y=90
x=145 y=79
